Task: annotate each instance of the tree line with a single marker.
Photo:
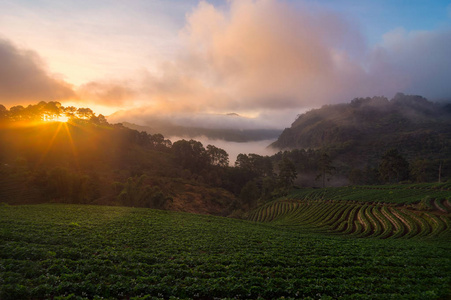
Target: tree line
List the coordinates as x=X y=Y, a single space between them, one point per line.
x=111 y=164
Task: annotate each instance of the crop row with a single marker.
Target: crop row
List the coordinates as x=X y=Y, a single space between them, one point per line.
x=93 y=252
x=399 y=194
x=354 y=218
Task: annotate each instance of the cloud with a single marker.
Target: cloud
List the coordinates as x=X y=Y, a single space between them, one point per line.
x=109 y=93
x=24 y=78
x=257 y=58
x=267 y=60
x=234 y=148
x=415 y=62
x=272 y=55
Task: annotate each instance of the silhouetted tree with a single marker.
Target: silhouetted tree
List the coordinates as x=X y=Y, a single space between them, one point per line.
x=134 y=192
x=393 y=167
x=249 y=194
x=85 y=113
x=190 y=155
x=418 y=170
x=217 y=156
x=287 y=172
x=255 y=164
x=325 y=167
x=3 y=113
x=70 y=111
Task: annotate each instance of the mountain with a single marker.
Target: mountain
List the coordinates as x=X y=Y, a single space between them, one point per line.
x=229 y=127
x=361 y=131
x=231 y=135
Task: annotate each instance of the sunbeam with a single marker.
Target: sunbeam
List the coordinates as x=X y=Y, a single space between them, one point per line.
x=49 y=146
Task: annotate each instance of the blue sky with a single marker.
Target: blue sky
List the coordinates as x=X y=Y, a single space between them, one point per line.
x=190 y=60
x=379 y=17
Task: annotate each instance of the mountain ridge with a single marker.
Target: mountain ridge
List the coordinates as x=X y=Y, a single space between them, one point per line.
x=366 y=127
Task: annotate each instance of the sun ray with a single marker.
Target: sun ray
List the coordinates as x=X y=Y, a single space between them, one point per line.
x=44 y=154
x=72 y=145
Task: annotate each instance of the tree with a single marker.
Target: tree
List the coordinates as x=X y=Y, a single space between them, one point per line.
x=190 y=155
x=135 y=192
x=261 y=165
x=85 y=113
x=255 y=164
x=243 y=162
x=249 y=194
x=217 y=156
x=287 y=172
x=418 y=170
x=16 y=112
x=59 y=184
x=70 y=111
x=3 y=113
x=325 y=167
x=51 y=110
x=98 y=120
x=393 y=167
x=356 y=176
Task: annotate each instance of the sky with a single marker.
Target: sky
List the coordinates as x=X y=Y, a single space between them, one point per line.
x=190 y=61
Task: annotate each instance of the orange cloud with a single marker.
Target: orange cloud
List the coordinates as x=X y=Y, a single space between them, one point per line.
x=255 y=55
x=107 y=93
x=24 y=78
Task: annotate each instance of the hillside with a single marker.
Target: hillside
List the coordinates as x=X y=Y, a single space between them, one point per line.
x=86 y=160
x=94 y=252
x=361 y=131
x=383 y=212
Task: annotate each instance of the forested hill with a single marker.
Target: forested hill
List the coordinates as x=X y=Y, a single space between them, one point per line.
x=367 y=127
x=51 y=153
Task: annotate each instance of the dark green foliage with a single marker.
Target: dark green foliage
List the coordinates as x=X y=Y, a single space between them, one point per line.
x=190 y=155
x=325 y=167
x=88 y=160
x=249 y=194
x=393 y=168
x=419 y=170
x=395 y=194
x=357 y=134
x=92 y=252
x=217 y=156
x=136 y=191
x=287 y=173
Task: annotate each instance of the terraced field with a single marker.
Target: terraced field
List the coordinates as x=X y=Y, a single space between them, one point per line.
x=416 y=214
x=81 y=252
x=397 y=194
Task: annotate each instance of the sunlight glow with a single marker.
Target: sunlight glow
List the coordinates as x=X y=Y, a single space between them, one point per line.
x=62 y=119
x=72 y=144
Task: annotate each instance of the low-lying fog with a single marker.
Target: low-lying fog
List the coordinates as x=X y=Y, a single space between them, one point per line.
x=234 y=148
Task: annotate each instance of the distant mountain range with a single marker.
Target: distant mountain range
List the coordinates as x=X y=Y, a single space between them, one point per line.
x=360 y=131
x=227 y=134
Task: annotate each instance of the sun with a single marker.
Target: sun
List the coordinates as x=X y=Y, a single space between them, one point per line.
x=61 y=119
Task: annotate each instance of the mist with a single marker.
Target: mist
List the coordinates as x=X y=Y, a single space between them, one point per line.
x=234 y=148
x=266 y=61
x=272 y=60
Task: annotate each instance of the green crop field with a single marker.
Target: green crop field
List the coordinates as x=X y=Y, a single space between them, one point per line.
x=92 y=252
x=384 y=212
x=395 y=194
